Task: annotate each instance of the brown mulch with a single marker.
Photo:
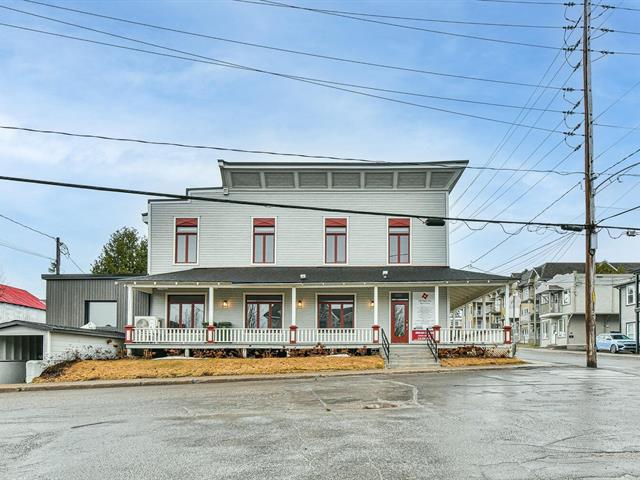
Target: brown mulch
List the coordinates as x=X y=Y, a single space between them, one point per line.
x=83 y=370
x=478 y=361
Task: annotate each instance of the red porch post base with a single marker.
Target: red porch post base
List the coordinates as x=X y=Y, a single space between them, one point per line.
x=376 y=333
x=128 y=334
x=507 y=334
x=211 y=334
x=293 y=335
x=436 y=333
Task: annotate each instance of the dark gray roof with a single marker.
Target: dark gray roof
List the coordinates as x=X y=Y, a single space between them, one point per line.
x=86 y=276
x=549 y=270
x=63 y=329
x=280 y=275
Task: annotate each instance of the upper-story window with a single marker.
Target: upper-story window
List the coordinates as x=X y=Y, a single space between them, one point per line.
x=399 y=235
x=566 y=297
x=264 y=240
x=631 y=295
x=186 y=240
x=335 y=240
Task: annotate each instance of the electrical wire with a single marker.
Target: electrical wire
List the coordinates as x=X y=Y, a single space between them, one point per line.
x=23 y=250
x=40 y=232
x=212 y=61
x=407 y=27
x=284 y=50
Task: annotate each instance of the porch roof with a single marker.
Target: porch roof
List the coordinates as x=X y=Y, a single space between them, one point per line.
x=465 y=285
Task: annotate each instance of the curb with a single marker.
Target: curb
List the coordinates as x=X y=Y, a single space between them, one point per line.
x=145 y=382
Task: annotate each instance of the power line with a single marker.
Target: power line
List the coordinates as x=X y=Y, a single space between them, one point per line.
x=360 y=14
x=212 y=61
x=621 y=213
x=28 y=227
x=408 y=27
x=23 y=250
x=285 y=50
x=533 y=2
x=429 y=220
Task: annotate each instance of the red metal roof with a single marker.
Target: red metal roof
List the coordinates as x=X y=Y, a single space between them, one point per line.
x=17 y=296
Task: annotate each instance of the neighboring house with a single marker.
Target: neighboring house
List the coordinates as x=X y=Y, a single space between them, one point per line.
x=229 y=275
x=552 y=328
x=83 y=311
x=18 y=304
x=627 y=301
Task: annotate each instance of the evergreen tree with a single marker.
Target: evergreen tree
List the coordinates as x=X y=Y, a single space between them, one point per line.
x=125 y=252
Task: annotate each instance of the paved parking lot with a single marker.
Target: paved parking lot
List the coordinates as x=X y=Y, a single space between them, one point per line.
x=560 y=422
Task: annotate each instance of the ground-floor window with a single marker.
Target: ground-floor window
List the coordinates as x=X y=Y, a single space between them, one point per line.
x=186 y=311
x=336 y=311
x=263 y=311
x=544 y=329
x=630 y=330
x=562 y=327
x=101 y=313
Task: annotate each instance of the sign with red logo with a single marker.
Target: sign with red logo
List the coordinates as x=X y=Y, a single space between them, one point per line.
x=423 y=310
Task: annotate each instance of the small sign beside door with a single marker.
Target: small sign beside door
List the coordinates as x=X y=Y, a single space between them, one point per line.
x=423 y=310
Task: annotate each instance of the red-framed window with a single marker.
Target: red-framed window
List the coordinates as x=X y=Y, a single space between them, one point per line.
x=186 y=240
x=399 y=240
x=335 y=240
x=186 y=311
x=336 y=311
x=264 y=240
x=263 y=311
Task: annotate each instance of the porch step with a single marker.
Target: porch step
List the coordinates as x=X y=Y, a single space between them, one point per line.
x=410 y=356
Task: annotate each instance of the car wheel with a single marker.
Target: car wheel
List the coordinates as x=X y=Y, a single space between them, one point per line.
x=613 y=349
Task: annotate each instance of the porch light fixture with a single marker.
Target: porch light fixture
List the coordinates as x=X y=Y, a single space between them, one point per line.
x=299 y=303
x=225 y=304
x=372 y=303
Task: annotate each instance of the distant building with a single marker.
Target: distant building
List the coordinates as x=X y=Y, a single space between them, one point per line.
x=18 y=304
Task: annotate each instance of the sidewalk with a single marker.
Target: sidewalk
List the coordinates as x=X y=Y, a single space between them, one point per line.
x=144 y=382
x=576 y=352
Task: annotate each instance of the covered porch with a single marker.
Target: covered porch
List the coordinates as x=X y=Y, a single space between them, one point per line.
x=336 y=307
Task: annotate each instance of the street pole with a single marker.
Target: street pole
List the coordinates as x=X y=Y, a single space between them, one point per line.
x=57 y=264
x=637 y=309
x=590 y=233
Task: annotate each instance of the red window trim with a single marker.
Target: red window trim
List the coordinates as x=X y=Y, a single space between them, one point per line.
x=342 y=303
x=335 y=222
x=171 y=301
x=185 y=222
x=263 y=222
x=396 y=237
x=271 y=303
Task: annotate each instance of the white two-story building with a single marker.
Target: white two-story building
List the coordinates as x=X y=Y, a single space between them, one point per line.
x=227 y=270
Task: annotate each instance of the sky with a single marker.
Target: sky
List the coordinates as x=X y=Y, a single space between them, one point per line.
x=58 y=83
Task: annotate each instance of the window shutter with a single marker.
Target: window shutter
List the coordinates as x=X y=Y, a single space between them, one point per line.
x=264 y=222
x=399 y=222
x=335 y=222
x=186 y=222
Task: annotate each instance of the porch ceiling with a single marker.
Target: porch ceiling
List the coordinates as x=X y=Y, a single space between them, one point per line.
x=460 y=295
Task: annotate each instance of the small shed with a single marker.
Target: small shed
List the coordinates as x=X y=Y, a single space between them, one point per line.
x=18 y=304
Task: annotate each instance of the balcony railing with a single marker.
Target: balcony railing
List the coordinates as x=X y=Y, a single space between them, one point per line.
x=254 y=336
x=471 y=336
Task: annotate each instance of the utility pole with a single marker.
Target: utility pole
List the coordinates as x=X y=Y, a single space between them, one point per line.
x=57 y=264
x=590 y=233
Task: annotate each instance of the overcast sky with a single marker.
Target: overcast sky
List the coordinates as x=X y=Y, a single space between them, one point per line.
x=62 y=84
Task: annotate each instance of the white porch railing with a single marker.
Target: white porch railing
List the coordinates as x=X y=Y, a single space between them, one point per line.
x=254 y=336
x=169 y=335
x=472 y=336
x=342 y=336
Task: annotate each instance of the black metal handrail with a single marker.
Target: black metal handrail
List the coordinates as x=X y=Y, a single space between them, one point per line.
x=431 y=343
x=385 y=345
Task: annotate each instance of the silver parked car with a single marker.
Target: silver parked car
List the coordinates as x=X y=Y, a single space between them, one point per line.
x=615 y=343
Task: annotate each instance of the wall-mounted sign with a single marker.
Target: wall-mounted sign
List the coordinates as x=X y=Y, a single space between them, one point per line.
x=423 y=310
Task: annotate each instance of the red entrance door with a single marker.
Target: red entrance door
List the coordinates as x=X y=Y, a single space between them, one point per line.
x=399 y=321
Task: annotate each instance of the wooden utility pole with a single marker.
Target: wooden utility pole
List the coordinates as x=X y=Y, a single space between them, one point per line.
x=57 y=264
x=590 y=233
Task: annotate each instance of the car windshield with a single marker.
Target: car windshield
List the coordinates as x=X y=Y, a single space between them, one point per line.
x=620 y=337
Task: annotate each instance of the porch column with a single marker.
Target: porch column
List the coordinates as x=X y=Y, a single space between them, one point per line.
x=128 y=329
x=484 y=311
x=507 y=319
x=436 y=314
x=211 y=329
x=376 y=323
x=294 y=305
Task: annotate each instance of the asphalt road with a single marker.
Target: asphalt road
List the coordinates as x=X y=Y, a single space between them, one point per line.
x=620 y=362
x=561 y=422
